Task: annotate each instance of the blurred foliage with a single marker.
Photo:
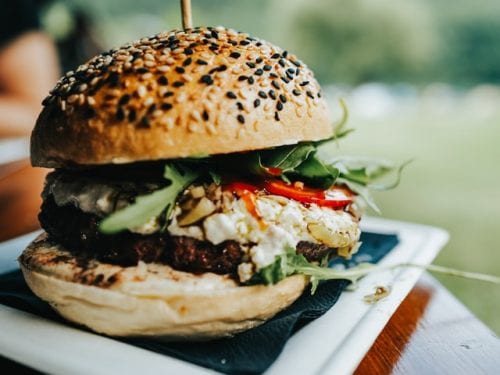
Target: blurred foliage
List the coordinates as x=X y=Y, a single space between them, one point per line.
x=344 y=41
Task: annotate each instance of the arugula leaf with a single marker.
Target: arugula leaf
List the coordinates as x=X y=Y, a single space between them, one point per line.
x=290 y=263
x=287 y=158
x=367 y=171
x=317 y=173
x=151 y=205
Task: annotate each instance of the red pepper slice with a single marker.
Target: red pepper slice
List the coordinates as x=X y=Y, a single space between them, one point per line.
x=336 y=197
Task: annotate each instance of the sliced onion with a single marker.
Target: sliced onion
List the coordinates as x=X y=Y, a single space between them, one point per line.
x=328 y=237
x=202 y=209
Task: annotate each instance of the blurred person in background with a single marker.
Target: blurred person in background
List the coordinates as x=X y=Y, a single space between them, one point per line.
x=29 y=66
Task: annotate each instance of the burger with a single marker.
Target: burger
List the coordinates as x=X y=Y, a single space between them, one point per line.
x=188 y=198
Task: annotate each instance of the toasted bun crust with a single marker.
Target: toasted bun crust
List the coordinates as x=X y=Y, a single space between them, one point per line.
x=150 y=299
x=177 y=94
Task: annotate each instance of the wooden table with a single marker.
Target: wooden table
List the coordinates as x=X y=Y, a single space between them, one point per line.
x=430 y=333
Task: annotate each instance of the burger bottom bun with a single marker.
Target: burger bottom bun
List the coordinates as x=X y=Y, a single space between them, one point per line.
x=150 y=300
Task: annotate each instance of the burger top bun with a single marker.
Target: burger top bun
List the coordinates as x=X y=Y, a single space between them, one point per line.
x=150 y=299
x=179 y=94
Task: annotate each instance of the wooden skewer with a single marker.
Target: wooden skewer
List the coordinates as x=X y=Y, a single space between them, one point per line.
x=187 y=21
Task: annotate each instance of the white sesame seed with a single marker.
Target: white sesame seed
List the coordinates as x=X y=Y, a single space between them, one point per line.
x=181 y=97
x=163 y=68
x=211 y=128
x=148 y=101
x=193 y=127
x=141 y=91
x=72 y=98
x=187 y=77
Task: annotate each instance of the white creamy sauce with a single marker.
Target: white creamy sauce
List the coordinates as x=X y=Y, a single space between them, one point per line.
x=287 y=224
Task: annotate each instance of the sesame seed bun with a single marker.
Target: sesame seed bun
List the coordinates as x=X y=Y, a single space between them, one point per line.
x=151 y=300
x=178 y=94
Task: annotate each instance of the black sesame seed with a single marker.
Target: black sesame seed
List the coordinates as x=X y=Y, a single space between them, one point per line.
x=233 y=42
x=124 y=99
x=222 y=68
x=231 y=95
x=180 y=69
x=296 y=63
x=258 y=60
x=256 y=103
x=168 y=94
x=310 y=94
x=273 y=75
x=213 y=70
x=284 y=54
x=279 y=106
x=162 y=80
x=244 y=42
x=267 y=67
x=206 y=79
x=120 y=114
x=213 y=47
x=205 y=41
x=295 y=92
x=250 y=64
x=187 y=62
x=262 y=94
x=258 y=44
x=283 y=98
x=251 y=80
x=272 y=94
x=142 y=70
x=192 y=45
x=188 y=51
x=204 y=115
x=242 y=78
x=276 y=116
x=297 y=72
x=201 y=62
x=178 y=84
x=144 y=123
x=276 y=85
x=282 y=62
x=240 y=119
x=305 y=83
x=289 y=75
x=166 y=106
x=319 y=95
x=113 y=79
x=275 y=56
x=235 y=55
x=284 y=79
x=151 y=108
x=215 y=34
x=291 y=70
x=132 y=115
x=240 y=106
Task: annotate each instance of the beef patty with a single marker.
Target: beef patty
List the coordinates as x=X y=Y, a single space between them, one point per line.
x=78 y=232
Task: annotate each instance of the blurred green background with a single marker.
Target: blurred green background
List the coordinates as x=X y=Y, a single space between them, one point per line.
x=421 y=80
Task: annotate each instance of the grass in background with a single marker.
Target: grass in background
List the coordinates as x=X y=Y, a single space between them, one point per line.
x=453 y=183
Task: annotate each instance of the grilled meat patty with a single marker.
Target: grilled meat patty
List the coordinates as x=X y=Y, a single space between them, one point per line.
x=78 y=232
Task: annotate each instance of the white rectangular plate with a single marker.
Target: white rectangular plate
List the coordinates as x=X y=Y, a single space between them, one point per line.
x=332 y=344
